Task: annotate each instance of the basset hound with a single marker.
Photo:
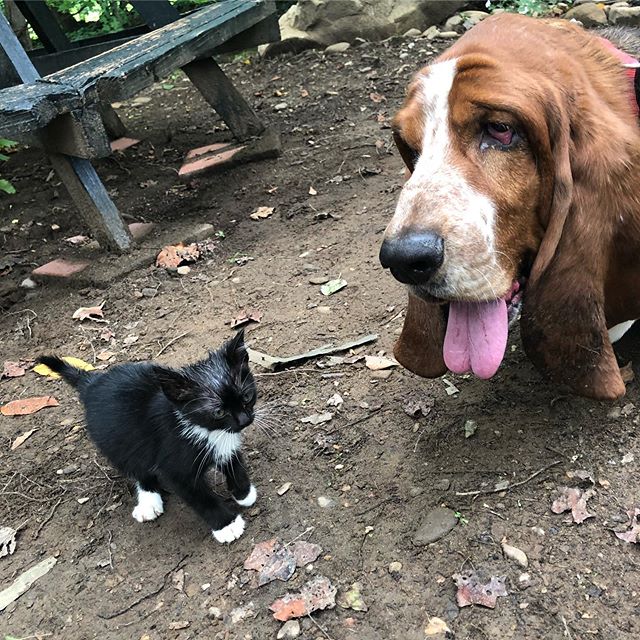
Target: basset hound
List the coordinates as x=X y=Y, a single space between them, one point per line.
x=522 y=144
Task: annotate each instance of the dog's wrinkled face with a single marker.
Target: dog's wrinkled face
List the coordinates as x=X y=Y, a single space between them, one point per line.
x=466 y=219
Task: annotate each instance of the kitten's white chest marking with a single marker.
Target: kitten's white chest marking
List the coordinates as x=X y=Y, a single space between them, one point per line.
x=221 y=445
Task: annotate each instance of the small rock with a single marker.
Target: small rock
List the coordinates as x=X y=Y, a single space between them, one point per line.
x=338 y=47
x=453 y=22
x=282 y=489
x=431 y=33
x=395 y=567
x=28 y=283
x=290 y=629
x=319 y=280
x=242 y=613
x=183 y=270
x=615 y=413
x=438 y=628
x=471 y=18
x=448 y=35
x=515 y=554
x=415 y=491
x=323 y=309
x=620 y=15
x=325 y=502
x=150 y=292
x=589 y=13
x=179 y=624
x=435 y=525
x=539 y=531
x=412 y=33
x=215 y=612
x=443 y=485
x=524 y=580
x=281 y=106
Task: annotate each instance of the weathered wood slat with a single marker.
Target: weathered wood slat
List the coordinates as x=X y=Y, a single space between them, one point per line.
x=125 y=70
x=44 y=23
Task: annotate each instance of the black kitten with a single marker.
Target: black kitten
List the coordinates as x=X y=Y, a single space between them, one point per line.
x=160 y=425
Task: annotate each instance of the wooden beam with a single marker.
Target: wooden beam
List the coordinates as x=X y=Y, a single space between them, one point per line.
x=43 y=21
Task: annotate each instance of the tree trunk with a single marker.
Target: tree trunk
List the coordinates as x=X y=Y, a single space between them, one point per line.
x=18 y=24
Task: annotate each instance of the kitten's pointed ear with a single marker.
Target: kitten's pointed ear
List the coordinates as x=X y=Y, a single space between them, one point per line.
x=175 y=385
x=235 y=351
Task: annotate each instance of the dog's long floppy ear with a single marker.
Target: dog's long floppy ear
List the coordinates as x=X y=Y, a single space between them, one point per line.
x=419 y=347
x=563 y=325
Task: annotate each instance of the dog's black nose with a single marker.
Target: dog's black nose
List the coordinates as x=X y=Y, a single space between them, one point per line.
x=413 y=258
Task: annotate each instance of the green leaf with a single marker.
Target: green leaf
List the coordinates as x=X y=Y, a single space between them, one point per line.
x=6 y=186
x=333 y=286
x=3 y=158
x=167 y=86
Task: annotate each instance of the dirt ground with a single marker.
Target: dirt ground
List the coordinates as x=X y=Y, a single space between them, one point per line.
x=380 y=469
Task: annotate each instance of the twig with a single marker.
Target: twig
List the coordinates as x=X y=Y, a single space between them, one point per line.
x=375 y=506
x=155 y=592
x=109 y=549
x=166 y=346
x=304 y=533
x=44 y=522
x=326 y=635
x=566 y=633
x=482 y=492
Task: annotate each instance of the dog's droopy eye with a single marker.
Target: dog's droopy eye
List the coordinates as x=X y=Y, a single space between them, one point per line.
x=498 y=135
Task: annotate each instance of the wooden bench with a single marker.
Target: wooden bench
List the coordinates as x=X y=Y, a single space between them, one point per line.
x=68 y=113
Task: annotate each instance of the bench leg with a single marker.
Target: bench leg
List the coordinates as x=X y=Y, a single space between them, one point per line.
x=113 y=125
x=220 y=93
x=93 y=201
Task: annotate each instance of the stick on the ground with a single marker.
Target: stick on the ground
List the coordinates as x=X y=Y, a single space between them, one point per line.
x=44 y=522
x=166 y=346
x=155 y=592
x=482 y=492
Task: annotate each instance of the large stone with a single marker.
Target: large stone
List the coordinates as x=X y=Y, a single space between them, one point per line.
x=629 y=16
x=589 y=14
x=453 y=22
x=320 y=23
x=436 y=524
x=471 y=18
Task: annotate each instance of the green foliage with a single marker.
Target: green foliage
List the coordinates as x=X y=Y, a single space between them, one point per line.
x=5 y=185
x=526 y=7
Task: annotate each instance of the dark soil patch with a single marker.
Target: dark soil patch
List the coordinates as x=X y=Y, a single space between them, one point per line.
x=382 y=469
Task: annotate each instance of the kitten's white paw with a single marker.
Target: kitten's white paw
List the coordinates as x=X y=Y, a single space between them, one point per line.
x=149 y=506
x=231 y=532
x=249 y=499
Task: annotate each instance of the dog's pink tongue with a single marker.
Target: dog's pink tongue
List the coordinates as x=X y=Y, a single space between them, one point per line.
x=476 y=337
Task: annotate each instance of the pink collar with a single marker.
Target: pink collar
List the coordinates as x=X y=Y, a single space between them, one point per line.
x=631 y=65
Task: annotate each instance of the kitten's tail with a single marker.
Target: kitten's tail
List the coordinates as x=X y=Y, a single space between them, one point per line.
x=74 y=376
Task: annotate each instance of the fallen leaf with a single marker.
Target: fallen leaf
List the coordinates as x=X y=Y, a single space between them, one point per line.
x=20 y=439
x=245 y=316
x=281 y=490
x=27 y=406
x=105 y=355
x=515 y=554
x=43 y=370
x=272 y=560
x=312 y=191
x=470 y=427
x=437 y=627
x=274 y=363
x=24 y=582
x=417 y=406
x=474 y=590
x=7 y=541
x=262 y=212
x=129 y=340
x=76 y=240
x=377 y=98
x=450 y=388
x=317 y=418
x=335 y=400
x=305 y=552
x=174 y=255
x=107 y=335
x=177 y=580
x=83 y=500
x=376 y=363
x=627 y=373
x=581 y=474
x=315 y=595
x=574 y=500
x=633 y=534
x=352 y=599
x=333 y=286
x=260 y=554
x=13 y=369
x=90 y=313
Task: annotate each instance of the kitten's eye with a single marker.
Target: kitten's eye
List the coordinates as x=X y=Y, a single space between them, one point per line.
x=218 y=414
x=247 y=396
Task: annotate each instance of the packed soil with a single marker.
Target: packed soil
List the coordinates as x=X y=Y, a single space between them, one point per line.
x=378 y=470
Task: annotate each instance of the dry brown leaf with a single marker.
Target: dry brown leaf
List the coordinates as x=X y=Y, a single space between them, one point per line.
x=633 y=534
x=418 y=405
x=105 y=355
x=107 y=335
x=377 y=97
x=89 y=313
x=13 y=369
x=627 y=373
x=474 y=590
x=574 y=500
x=317 y=594
x=245 y=316
x=272 y=560
x=375 y=363
x=438 y=627
x=27 y=406
x=22 y=438
x=174 y=255
x=305 y=552
x=262 y=212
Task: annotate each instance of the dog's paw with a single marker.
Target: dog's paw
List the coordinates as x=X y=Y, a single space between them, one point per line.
x=149 y=506
x=231 y=532
x=250 y=499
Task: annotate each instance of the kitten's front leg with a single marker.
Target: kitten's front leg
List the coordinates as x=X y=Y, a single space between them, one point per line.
x=243 y=492
x=226 y=526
